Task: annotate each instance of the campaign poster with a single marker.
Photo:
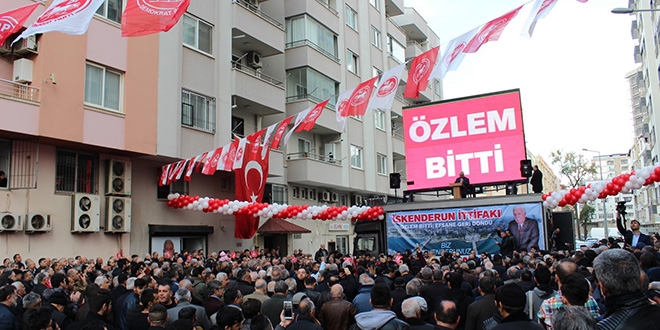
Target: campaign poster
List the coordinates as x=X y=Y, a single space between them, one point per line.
x=481 y=136
x=464 y=229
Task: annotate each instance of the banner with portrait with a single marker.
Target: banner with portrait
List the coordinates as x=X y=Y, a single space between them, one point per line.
x=464 y=229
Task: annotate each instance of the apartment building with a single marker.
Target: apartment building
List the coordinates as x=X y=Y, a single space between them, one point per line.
x=89 y=120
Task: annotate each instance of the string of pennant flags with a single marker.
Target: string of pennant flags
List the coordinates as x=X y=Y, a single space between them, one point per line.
x=248 y=156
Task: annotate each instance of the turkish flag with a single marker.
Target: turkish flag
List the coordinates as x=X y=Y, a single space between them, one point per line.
x=142 y=17
x=228 y=158
x=176 y=167
x=281 y=129
x=250 y=184
x=191 y=167
x=12 y=21
x=200 y=161
x=312 y=116
x=491 y=31
x=212 y=163
x=420 y=69
x=164 y=175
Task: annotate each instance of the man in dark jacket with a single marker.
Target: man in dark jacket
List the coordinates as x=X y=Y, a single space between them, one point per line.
x=412 y=313
x=618 y=276
x=7 y=301
x=537 y=180
x=381 y=317
x=483 y=308
x=100 y=306
x=337 y=314
x=306 y=319
x=454 y=281
x=508 y=243
x=510 y=300
x=272 y=307
x=632 y=236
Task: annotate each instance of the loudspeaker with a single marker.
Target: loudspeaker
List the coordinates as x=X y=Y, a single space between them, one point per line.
x=564 y=239
x=395 y=180
x=526 y=168
x=511 y=188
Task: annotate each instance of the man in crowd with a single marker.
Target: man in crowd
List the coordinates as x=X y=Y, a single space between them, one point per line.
x=337 y=314
x=381 y=317
x=631 y=236
x=510 y=300
x=183 y=298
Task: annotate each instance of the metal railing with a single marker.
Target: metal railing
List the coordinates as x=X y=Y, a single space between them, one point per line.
x=307 y=42
x=420 y=45
x=309 y=97
x=327 y=6
x=18 y=90
x=257 y=74
x=254 y=9
x=312 y=156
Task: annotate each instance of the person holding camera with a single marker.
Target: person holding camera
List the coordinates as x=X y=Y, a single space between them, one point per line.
x=631 y=236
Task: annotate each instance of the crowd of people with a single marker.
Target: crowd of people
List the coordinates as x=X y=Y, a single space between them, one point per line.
x=598 y=287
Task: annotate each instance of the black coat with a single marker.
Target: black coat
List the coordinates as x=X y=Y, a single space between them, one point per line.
x=537 y=181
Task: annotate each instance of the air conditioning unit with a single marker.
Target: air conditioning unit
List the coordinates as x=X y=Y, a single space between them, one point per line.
x=334 y=197
x=5 y=48
x=10 y=222
x=326 y=196
x=23 y=69
x=118 y=215
x=312 y=194
x=119 y=177
x=86 y=213
x=357 y=200
x=37 y=222
x=254 y=60
x=27 y=45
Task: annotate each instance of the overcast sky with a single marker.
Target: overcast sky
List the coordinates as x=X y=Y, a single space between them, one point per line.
x=571 y=73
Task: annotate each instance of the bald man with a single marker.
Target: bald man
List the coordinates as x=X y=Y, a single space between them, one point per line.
x=337 y=314
x=260 y=291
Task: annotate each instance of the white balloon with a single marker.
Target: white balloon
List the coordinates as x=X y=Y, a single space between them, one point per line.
x=381 y=217
x=643 y=173
x=628 y=185
x=230 y=211
x=170 y=197
x=190 y=206
x=195 y=203
x=625 y=190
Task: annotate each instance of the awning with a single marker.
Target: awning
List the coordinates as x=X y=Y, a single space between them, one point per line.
x=279 y=226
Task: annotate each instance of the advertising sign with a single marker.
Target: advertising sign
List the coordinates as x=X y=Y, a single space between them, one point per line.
x=464 y=229
x=481 y=135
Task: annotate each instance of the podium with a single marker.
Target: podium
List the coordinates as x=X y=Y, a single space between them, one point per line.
x=456 y=189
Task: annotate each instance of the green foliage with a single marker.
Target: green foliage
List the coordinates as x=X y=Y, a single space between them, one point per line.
x=575 y=167
x=586 y=214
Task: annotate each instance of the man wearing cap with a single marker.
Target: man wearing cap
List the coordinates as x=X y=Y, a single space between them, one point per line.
x=337 y=314
x=510 y=301
x=632 y=236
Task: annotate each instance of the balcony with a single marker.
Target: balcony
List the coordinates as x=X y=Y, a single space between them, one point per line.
x=255 y=30
x=262 y=94
x=394 y=7
x=325 y=124
x=312 y=169
x=18 y=91
x=413 y=23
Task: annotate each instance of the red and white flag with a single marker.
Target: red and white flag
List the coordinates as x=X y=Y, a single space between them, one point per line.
x=359 y=100
x=250 y=184
x=281 y=129
x=386 y=89
x=269 y=132
x=180 y=169
x=300 y=117
x=453 y=54
x=312 y=115
x=200 y=161
x=240 y=153
x=228 y=158
x=420 y=70
x=540 y=10
x=342 y=108
x=191 y=167
x=211 y=164
x=12 y=21
x=491 y=31
x=173 y=171
x=164 y=175
x=65 y=16
x=142 y=17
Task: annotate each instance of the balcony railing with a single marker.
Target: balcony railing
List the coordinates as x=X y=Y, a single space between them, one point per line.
x=254 y=9
x=21 y=91
x=306 y=42
x=327 y=6
x=257 y=74
x=309 y=155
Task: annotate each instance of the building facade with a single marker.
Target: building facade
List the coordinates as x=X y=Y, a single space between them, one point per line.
x=89 y=121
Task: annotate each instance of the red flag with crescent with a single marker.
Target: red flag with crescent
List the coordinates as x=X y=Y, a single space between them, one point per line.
x=250 y=184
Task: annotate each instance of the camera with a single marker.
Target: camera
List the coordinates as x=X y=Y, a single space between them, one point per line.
x=621 y=207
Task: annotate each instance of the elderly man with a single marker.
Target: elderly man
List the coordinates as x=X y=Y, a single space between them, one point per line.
x=412 y=312
x=183 y=298
x=523 y=229
x=7 y=301
x=337 y=314
x=618 y=276
x=260 y=292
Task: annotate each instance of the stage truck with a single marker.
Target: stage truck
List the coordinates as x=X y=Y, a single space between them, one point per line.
x=461 y=225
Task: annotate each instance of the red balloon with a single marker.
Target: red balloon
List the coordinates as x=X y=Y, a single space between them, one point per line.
x=657 y=170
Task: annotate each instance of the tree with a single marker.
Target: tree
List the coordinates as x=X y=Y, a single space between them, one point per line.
x=586 y=214
x=575 y=167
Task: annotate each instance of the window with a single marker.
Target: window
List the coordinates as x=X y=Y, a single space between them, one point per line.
x=197 y=110
x=304 y=147
x=197 y=33
x=624 y=161
x=111 y=9
x=610 y=162
x=103 y=87
x=375 y=72
x=295 y=192
x=304 y=30
x=356 y=157
x=342 y=244
x=305 y=80
x=395 y=49
x=351 y=62
x=375 y=4
x=279 y=194
x=76 y=172
x=179 y=186
x=375 y=37
x=381 y=164
x=237 y=127
x=437 y=86
x=379 y=118
x=351 y=18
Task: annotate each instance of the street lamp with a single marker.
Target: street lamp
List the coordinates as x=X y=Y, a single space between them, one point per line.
x=630 y=10
x=600 y=166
